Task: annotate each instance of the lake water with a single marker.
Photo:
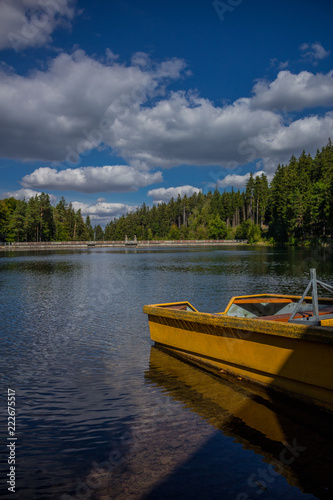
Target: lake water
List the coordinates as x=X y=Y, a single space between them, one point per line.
x=102 y=414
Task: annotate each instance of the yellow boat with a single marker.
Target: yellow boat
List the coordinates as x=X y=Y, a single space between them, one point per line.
x=282 y=342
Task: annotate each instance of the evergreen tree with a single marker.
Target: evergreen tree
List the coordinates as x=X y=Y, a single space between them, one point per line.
x=62 y=225
x=15 y=229
x=47 y=224
x=88 y=229
x=33 y=220
x=249 y=193
x=5 y=212
x=98 y=233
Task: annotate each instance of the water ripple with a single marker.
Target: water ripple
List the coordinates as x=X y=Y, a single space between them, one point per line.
x=75 y=347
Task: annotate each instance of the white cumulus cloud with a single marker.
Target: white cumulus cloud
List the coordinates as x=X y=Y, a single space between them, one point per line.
x=26 y=194
x=79 y=104
x=186 y=129
x=294 y=92
x=237 y=181
x=113 y=178
x=103 y=210
x=161 y=195
x=75 y=105
x=290 y=140
x=30 y=23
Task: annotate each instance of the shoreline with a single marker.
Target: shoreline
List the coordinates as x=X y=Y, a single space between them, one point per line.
x=80 y=245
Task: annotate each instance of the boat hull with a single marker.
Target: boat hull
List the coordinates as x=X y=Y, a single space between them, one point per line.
x=290 y=358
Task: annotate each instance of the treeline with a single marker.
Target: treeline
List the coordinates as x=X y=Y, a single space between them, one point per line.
x=301 y=198
x=213 y=215
x=295 y=208
x=38 y=220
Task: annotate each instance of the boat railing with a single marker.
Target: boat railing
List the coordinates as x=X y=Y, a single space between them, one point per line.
x=314 y=319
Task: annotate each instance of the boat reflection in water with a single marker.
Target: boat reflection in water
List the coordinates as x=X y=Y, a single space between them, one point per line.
x=294 y=439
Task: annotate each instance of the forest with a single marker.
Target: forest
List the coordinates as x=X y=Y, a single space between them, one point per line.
x=295 y=208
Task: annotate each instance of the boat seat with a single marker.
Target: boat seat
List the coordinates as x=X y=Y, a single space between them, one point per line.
x=176 y=307
x=304 y=314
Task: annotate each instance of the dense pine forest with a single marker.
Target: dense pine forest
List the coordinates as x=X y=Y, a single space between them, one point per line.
x=296 y=208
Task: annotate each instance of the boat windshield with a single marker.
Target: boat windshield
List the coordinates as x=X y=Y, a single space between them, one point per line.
x=257 y=307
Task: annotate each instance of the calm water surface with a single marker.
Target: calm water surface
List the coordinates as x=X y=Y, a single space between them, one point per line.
x=101 y=413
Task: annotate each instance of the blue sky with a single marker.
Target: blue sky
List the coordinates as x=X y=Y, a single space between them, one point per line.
x=114 y=103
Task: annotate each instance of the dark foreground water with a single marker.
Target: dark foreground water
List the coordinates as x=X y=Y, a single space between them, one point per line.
x=102 y=414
